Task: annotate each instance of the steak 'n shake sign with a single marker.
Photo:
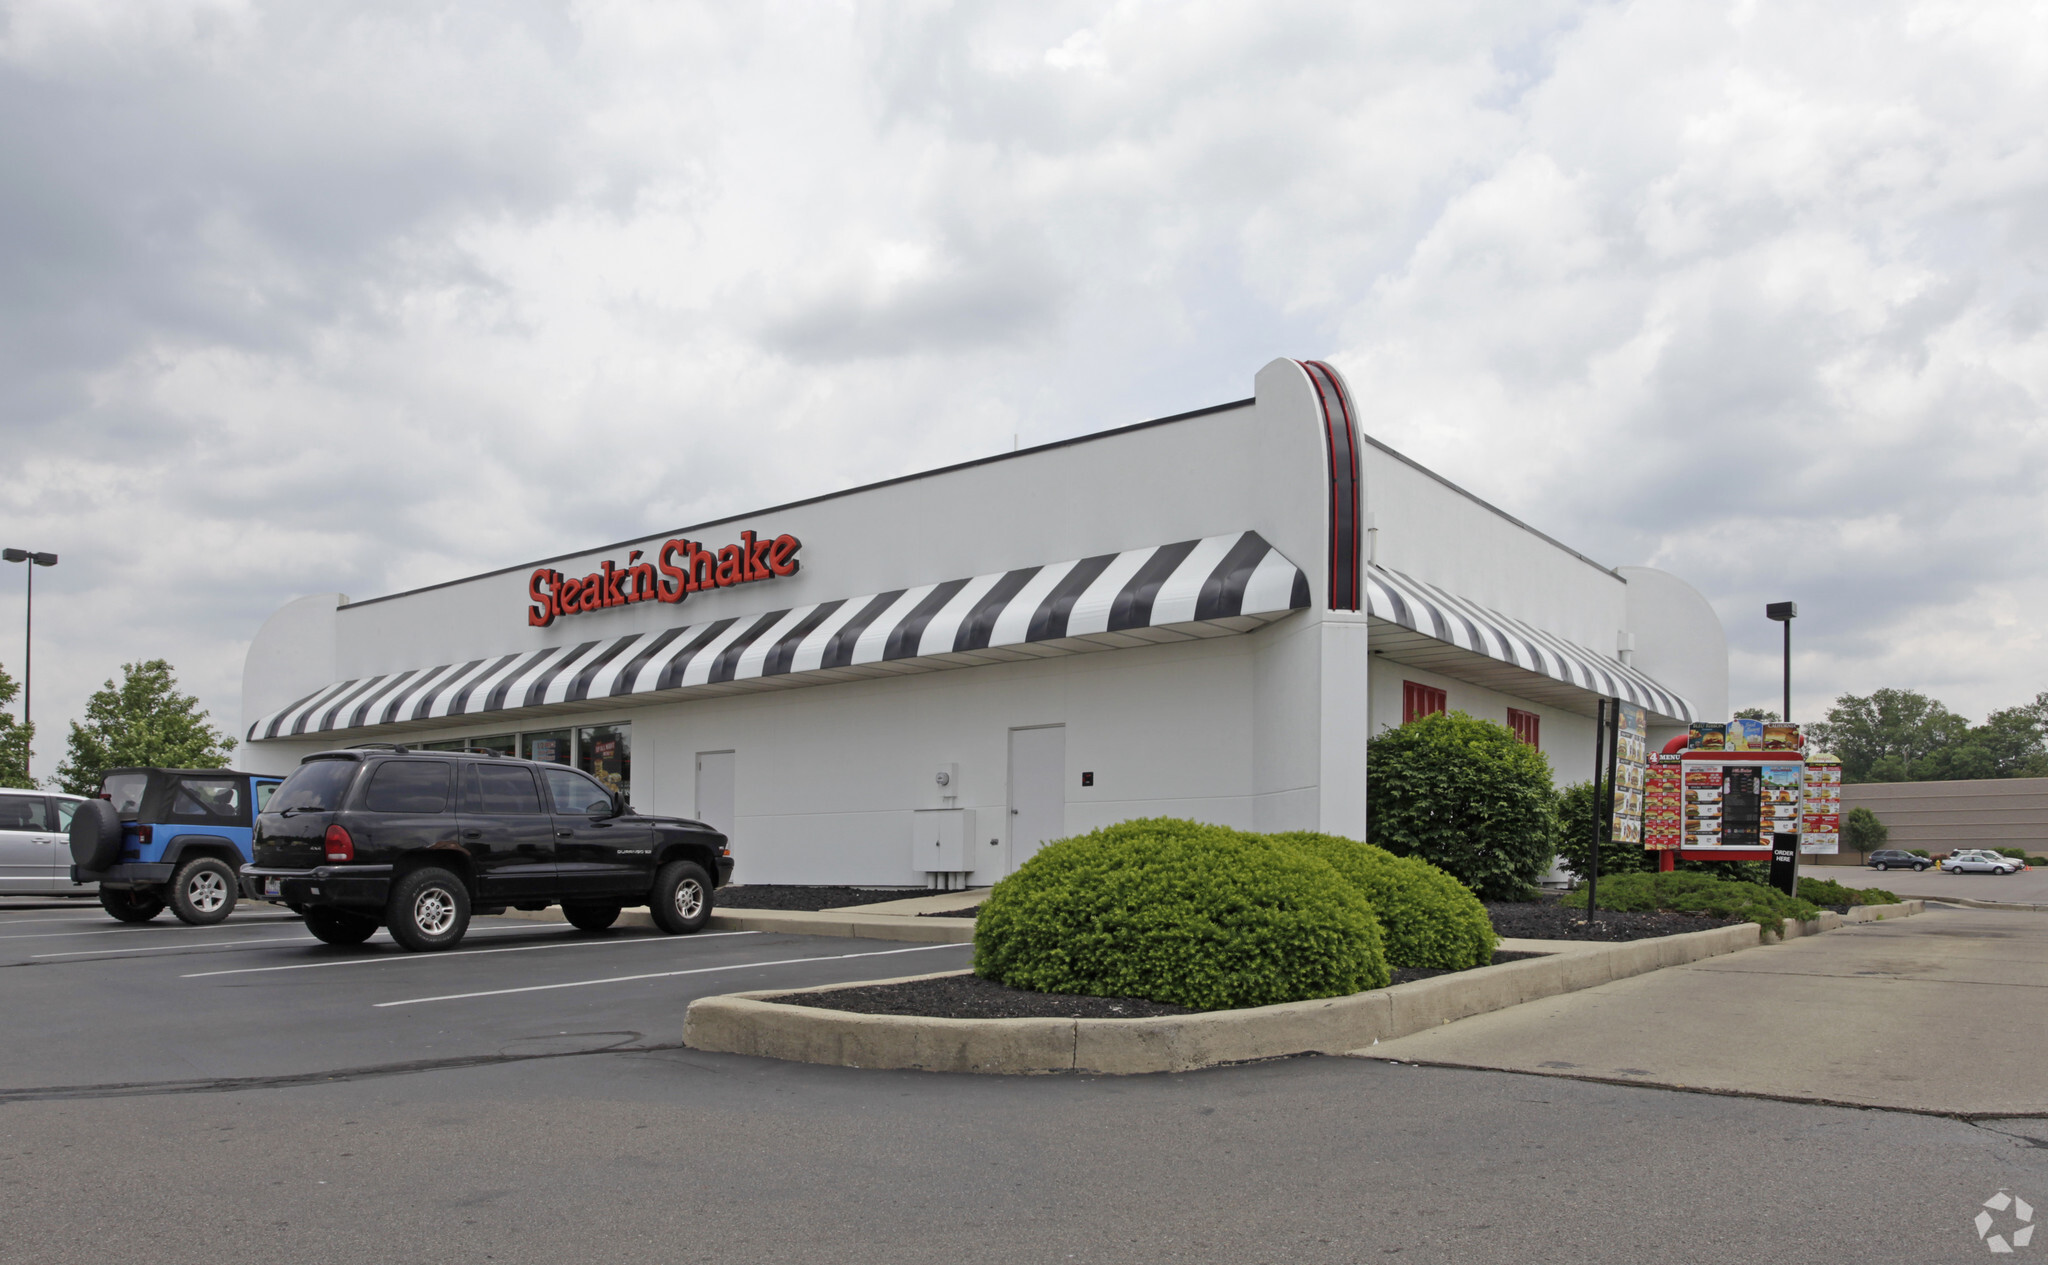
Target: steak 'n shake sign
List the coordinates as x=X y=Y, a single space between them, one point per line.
x=680 y=568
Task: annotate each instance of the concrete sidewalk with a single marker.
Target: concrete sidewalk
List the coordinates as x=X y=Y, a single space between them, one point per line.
x=1944 y=1012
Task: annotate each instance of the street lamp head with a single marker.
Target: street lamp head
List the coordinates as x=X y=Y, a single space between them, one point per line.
x=43 y=559
x=14 y=555
x=1782 y=611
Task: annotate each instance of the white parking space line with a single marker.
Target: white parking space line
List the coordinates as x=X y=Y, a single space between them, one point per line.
x=103 y=918
x=463 y=953
x=702 y=970
x=123 y=931
x=216 y=928
x=162 y=948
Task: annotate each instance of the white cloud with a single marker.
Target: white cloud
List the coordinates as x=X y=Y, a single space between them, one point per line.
x=305 y=299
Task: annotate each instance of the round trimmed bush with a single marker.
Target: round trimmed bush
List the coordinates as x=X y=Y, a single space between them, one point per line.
x=1467 y=796
x=1179 y=912
x=1427 y=918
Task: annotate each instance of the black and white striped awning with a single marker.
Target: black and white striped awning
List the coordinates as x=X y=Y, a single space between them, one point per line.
x=1431 y=628
x=1194 y=589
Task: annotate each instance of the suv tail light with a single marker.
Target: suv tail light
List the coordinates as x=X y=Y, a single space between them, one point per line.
x=340 y=847
x=144 y=834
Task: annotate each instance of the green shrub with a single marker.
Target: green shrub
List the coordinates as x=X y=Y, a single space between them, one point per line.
x=1575 y=838
x=2017 y=854
x=2037 y=860
x=1918 y=852
x=1863 y=832
x=1428 y=918
x=1826 y=891
x=1179 y=912
x=1467 y=796
x=1682 y=892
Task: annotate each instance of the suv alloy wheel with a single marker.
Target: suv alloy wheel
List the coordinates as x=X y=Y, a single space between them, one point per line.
x=681 y=899
x=202 y=891
x=429 y=909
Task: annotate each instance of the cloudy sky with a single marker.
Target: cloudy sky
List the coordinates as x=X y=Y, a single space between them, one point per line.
x=312 y=298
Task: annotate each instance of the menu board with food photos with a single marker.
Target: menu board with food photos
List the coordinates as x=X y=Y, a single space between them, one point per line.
x=1820 y=814
x=1631 y=764
x=1663 y=805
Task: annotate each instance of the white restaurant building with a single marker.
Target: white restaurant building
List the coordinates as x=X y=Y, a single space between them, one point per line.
x=1204 y=616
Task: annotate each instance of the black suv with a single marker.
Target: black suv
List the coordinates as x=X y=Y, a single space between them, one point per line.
x=1893 y=859
x=417 y=841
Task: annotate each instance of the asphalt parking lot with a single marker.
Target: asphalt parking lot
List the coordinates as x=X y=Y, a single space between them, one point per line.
x=259 y=997
x=245 y=1094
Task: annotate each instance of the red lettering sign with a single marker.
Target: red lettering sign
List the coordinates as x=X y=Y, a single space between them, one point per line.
x=680 y=568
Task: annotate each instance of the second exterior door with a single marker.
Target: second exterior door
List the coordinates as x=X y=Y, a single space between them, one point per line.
x=1038 y=790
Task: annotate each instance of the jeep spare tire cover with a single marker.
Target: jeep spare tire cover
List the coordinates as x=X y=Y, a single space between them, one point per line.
x=96 y=835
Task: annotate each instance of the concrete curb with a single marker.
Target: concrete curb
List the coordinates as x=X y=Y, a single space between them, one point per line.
x=797 y=922
x=2014 y=906
x=743 y=1023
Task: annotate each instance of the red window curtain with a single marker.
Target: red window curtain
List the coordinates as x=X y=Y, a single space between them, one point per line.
x=1418 y=701
x=1528 y=726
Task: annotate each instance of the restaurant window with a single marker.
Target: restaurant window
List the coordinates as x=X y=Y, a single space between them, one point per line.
x=1418 y=701
x=1528 y=726
x=605 y=752
x=550 y=747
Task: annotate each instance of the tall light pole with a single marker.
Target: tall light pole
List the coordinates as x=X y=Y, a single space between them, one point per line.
x=28 y=623
x=1784 y=613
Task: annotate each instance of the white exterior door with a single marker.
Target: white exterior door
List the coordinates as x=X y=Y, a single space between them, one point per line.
x=715 y=774
x=1038 y=789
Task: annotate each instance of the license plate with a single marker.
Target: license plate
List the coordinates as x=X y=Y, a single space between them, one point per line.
x=271 y=887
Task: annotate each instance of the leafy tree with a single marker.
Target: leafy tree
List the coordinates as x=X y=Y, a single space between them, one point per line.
x=1467 y=796
x=1862 y=831
x=14 y=739
x=1575 y=838
x=1756 y=713
x=144 y=722
x=1880 y=737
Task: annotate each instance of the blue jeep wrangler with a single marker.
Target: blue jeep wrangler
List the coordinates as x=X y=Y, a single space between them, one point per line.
x=176 y=837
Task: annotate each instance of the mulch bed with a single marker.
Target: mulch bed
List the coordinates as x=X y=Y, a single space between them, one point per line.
x=971 y=997
x=1548 y=920
x=968 y=912
x=808 y=899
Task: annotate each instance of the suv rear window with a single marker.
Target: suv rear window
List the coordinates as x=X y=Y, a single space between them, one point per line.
x=408 y=786
x=207 y=801
x=314 y=787
x=125 y=790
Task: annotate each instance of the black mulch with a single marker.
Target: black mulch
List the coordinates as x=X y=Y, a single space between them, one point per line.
x=968 y=912
x=971 y=997
x=1548 y=920
x=806 y=898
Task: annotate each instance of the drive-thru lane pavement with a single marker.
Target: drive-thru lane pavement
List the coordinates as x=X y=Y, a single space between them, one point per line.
x=107 y=1004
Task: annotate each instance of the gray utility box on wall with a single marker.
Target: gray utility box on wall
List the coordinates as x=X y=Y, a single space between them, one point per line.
x=938 y=843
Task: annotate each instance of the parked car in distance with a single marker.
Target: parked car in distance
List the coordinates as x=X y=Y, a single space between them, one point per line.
x=1895 y=859
x=33 y=828
x=418 y=841
x=167 y=837
x=1980 y=861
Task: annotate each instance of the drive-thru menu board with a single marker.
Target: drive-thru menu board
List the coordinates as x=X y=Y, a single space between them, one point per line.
x=1820 y=818
x=1631 y=765
x=1663 y=805
x=1739 y=784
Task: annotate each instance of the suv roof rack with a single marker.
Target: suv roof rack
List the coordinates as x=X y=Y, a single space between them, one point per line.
x=495 y=755
x=379 y=746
